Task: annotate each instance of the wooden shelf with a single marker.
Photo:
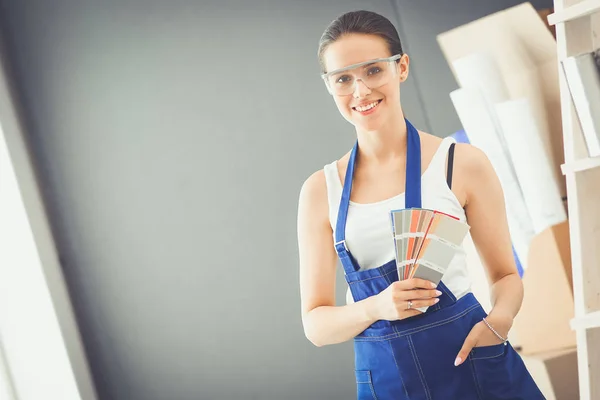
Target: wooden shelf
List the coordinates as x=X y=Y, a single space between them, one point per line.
x=575 y=11
x=577 y=32
x=589 y=321
x=580 y=165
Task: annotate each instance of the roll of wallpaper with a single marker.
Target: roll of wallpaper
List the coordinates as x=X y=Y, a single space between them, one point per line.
x=478 y=70
x=480 y=124
x=532 y=164
x=461 y=137
x=583 y=80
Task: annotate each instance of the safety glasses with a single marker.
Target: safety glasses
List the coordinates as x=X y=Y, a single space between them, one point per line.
x=373 y=74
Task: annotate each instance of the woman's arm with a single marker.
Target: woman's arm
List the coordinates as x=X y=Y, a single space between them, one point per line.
x=324 y=323
x=486 y=214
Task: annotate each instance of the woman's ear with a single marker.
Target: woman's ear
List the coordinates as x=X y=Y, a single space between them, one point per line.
x=402 y=66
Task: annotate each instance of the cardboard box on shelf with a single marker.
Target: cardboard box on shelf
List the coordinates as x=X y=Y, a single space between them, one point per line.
x=543 y=13
x=542 y=324
x=555 y=373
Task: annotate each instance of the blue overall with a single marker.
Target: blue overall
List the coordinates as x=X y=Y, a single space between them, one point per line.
x=413 y=358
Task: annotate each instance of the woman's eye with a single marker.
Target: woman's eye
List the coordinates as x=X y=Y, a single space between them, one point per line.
x=374 y=70
x=343 y=79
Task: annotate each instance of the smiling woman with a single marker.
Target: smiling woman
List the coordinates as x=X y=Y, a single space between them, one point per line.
x=453 y=349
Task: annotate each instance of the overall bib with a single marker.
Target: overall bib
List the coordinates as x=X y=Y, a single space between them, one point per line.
x=413 y=358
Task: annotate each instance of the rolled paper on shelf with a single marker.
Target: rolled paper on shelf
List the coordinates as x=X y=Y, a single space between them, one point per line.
x=461 y=137
x=478 y=70
x=532 y=164
x=484 y=132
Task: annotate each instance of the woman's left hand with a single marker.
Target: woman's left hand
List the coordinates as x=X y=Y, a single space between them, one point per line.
x=481 y=336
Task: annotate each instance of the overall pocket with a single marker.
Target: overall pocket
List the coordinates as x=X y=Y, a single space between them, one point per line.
x=500 y=373
x=490 y=369
x=433 y=349
x=364 y=385
x=488 y=352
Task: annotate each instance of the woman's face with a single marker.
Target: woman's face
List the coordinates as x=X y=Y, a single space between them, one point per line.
x=357 y=107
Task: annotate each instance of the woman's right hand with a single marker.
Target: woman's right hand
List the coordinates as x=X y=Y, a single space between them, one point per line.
x=393 y=302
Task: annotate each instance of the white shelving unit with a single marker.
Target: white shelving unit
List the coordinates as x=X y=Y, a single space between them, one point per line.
x=580 y=165
x=573 y=10
x=577 y=25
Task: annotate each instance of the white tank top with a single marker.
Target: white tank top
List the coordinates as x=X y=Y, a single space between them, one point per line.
x=368 y=229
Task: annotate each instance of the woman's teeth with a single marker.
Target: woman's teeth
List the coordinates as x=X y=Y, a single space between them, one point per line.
x=367 y=107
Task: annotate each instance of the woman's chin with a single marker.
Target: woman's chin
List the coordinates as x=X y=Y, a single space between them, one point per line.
x=367 y=126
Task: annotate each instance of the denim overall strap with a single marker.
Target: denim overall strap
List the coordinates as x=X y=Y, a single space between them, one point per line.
x=348 y=262
x=412 y=193
x=412 y=196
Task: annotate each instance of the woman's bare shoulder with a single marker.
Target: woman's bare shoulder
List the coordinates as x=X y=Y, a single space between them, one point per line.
x=313 y=193
x=314 y=185
x=472 y=169
x=471 y=159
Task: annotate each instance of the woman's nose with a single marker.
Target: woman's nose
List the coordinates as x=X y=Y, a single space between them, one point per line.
x=360 y=89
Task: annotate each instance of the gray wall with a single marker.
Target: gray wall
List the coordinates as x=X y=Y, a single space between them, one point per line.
x=171 y=140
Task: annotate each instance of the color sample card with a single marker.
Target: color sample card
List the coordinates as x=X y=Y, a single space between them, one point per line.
x=426 y=241
x=451 y=230
x=436 y=255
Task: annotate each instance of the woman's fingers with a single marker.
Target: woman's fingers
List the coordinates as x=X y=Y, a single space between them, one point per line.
x=416 y=283
x=418 y=294
x=421 y=303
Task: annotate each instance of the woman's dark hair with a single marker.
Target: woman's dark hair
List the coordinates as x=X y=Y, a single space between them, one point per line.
x=366 y=22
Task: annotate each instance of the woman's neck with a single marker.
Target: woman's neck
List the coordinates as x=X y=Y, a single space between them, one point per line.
x=384 y=144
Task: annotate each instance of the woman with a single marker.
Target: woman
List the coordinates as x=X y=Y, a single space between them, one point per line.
x=453 y=350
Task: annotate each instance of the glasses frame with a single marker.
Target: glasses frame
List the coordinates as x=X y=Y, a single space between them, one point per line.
x=326 y=75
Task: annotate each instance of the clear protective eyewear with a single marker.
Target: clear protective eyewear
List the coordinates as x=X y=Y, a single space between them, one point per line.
x=373 y=74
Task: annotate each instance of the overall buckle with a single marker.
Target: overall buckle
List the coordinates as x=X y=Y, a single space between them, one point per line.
x=342 y=242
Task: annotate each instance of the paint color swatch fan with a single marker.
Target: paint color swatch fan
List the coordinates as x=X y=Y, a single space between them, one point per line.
x=426 y=242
